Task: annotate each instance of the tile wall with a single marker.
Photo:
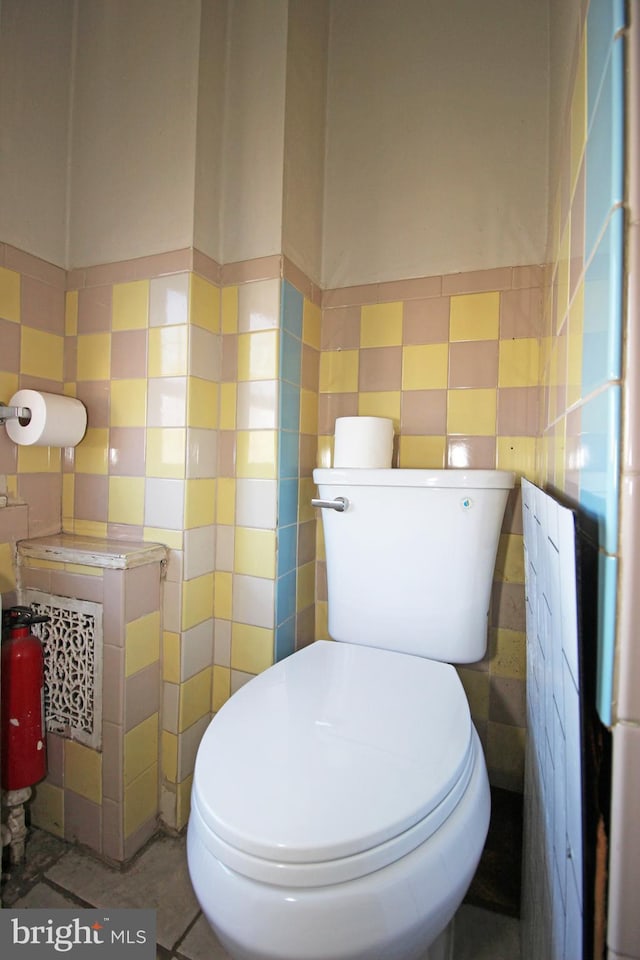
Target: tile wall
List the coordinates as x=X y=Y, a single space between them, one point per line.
x=453 y=361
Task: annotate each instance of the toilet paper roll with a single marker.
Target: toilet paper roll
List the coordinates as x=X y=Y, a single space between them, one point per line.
x=56 y=421
x=363 y=442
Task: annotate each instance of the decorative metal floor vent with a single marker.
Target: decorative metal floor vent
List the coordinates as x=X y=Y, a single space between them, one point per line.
x=72 y=644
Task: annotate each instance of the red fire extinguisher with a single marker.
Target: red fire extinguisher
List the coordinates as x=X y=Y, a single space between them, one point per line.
x=24 y=754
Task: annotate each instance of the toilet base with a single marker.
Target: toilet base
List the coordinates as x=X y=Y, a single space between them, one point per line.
x=395 y=913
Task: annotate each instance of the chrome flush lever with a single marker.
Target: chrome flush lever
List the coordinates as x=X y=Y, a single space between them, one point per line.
x=340 y=504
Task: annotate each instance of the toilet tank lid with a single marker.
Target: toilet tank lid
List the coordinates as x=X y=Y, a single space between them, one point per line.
x=451 y=479
x=331 y=752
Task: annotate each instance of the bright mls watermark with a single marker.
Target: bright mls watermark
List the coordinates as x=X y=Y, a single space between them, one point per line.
x=80 y=934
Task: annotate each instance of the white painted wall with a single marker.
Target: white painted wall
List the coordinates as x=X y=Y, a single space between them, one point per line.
x=254 y=129
x=35 y=65
x=304 y=134
x=133 y=129
x=436 y=137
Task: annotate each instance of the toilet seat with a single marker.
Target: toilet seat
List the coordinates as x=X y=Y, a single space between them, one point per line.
x=359 y=756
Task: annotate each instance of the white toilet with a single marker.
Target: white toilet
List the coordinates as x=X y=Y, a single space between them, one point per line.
x=340 y=799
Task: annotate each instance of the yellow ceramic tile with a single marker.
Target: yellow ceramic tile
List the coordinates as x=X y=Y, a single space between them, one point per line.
x=226 y=501
x=562 y=276
x=142 y=643
x=574 y=347
x=258 y=355
x=339 y=371
x=306 y=490
x=90 y=528
x=129 y=403
x=12 y=485
x=383 y=403
x=476 y=687
x=311 y=323
x=171 y=656
x=518 y=363
x=68 y=494
x=140 y=748
x=195 y=699
x=255 y=552
x=94 y=356
x=70 y=389
x=130 y=305
x=306 y=586
x=251 y=648
x=221 y=687
x=39 y=459
x=83 y=771
x=204 y=303
x=197 y=600
x=471 y=412
x=322 y=617
x=223 y=586
x=183 y=802
x=9 y=295
x=202 y=403
x=34 y=563
x=256 y=454
x=8 y=384
x=425 y=367
x=92 y=453
x=141 y=800
x=7 y=570
x=83 y=569
x=168 y=351
x=324 y=456
x=166 y=452
x=71 y=313
x=199 y=503
x=518 y=454
x=308 y=412
x=510 y=559
x=510 y=654
x=229 y=307
x=505 y=754
x=41 y=354
x=169 y=756
x=126 y=500
x=417 y=453
x=474 y=316
x=381 y=325
x=228 y=406
x=46 y=808
x=170 y=538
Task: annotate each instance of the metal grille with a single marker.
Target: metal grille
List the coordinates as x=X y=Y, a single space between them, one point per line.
x=72 y=645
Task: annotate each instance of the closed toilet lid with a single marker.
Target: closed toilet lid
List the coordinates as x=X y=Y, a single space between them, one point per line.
x=331 y=752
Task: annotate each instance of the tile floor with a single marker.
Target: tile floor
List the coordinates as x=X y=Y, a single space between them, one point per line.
x=59 y=875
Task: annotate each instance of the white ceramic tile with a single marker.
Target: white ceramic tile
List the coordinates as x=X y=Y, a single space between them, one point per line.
x=205 y=354
x=170 y=702
x=238 y=679
x=256 y=503
x=202 y=452
x=257 y=405
x=188 y=746
x=259 y=305
x=624 y=861
x=222 y=643
x=164 y=504
x=225 y=541
x=253 y=600
x=196 y=649
x=174 y=565
x=159 y=876
x=172 y=605
x=167 y=402
x=199 y=551
x=169 y=300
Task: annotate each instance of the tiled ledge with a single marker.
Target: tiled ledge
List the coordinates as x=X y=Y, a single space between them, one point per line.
x=108 y=554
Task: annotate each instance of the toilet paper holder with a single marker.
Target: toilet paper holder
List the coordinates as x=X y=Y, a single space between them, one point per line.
x=14 y=413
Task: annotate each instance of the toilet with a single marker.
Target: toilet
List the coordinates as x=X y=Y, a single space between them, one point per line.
x=340 y=799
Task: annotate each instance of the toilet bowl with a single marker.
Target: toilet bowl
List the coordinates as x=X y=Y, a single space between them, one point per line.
x=340 y=799
x=347 y=826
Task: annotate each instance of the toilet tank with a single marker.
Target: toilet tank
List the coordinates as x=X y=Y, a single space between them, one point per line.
x=410 y=559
